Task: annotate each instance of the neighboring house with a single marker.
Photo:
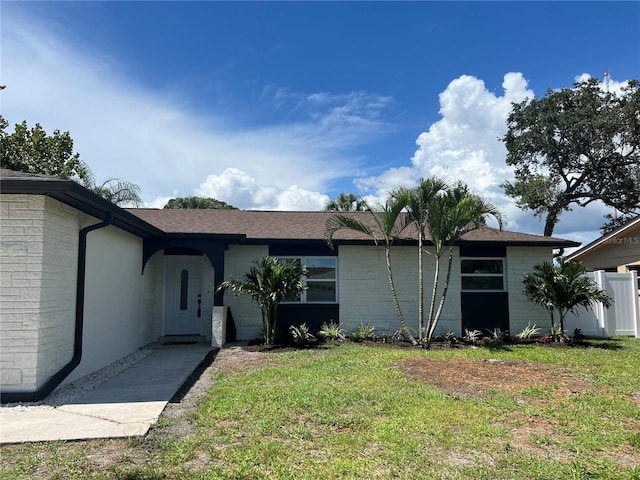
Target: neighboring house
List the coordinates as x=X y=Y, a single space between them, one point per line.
x=85 y=282
x=616 y=251
x=614 y=260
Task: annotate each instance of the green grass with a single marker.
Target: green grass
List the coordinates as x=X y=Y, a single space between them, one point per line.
x=348 y=411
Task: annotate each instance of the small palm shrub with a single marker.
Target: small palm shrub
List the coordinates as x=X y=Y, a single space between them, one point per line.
x=498 y=334
x=561 y=287
x=301 y=334
x=447 y=336
x=557 y=333
x=528 y=332
x=332 y=331
x=471 y=335
x=364 y=331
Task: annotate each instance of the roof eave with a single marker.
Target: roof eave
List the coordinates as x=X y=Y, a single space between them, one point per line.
x=75 y=195
x=524 y=243
x=603 y=239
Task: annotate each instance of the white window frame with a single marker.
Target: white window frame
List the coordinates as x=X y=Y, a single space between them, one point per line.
x=503 y=275
x=305 y=260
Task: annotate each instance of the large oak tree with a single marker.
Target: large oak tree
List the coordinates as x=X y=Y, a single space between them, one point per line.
x=573 y=147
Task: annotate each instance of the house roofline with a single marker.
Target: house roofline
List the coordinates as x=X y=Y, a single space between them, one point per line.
x=603 y=239
x=475 y=243
x=75 y=195
x=512 y=243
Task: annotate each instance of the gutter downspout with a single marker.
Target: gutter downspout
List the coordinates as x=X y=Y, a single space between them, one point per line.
x=58 y=377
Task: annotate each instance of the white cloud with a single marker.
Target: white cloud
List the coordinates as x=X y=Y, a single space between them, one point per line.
x=239 y=189
x=464 y=144
x=122 y=129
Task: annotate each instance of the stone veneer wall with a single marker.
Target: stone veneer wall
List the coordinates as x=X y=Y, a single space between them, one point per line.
x=38 y=267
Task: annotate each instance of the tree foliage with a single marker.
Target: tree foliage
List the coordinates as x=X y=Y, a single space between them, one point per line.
x=575 y=146
x=31 y=150
x=346 y=202
x=562 y=287
x=389 y=222
x=121 y=192
x=198 y=203
x=418 y=200
x=450 y=214
x=616 y=221
x=268 y=282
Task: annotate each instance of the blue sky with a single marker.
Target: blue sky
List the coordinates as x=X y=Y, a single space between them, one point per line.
x=283 y=105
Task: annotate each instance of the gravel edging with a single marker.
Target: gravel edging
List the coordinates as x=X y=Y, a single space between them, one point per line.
x=70 y=391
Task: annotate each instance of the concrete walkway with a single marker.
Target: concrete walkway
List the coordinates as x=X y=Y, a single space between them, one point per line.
x=124 y=406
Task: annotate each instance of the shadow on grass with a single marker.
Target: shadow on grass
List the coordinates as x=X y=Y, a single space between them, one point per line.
x=590 y=342
x=195 y=376
x=603 y=343
x=498 y=347
x=288 y=347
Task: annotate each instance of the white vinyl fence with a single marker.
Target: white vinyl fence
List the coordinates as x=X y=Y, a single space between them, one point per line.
x=622 y=318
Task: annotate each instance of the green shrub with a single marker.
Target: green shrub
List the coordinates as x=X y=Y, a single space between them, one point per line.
x=332 y=331
x=498 y=334
x=471 y=335
x=447 y=336
x=301 y=334
x=364 y=331
x=528 y=332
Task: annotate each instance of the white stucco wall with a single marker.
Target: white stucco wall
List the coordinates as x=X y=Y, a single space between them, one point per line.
x=153 y=287
x=38 y=268
x=114 y=320
x=521 y=260
x=246 y=314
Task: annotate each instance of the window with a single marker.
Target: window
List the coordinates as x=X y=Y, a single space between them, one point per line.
x=483 y=274
x=184 y=289
x=321 y=280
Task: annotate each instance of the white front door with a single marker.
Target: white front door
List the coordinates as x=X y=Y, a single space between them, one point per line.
x=183 y=312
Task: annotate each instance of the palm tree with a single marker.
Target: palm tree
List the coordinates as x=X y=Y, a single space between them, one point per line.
x=268 y=282
x=389 y=221
x=346 y=202
x=121 y=192
x=418 y=200
x=450 y=214
x=563 y=286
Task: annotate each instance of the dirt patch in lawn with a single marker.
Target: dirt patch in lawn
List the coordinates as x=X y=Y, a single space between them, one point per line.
x=477 y=377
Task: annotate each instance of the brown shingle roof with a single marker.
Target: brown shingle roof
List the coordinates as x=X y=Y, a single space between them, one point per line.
x=277 y=225
x=14 y=174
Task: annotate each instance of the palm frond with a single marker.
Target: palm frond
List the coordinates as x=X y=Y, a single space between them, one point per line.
x=344 y=222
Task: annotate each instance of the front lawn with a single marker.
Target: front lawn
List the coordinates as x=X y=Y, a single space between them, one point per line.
x=356 y=411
